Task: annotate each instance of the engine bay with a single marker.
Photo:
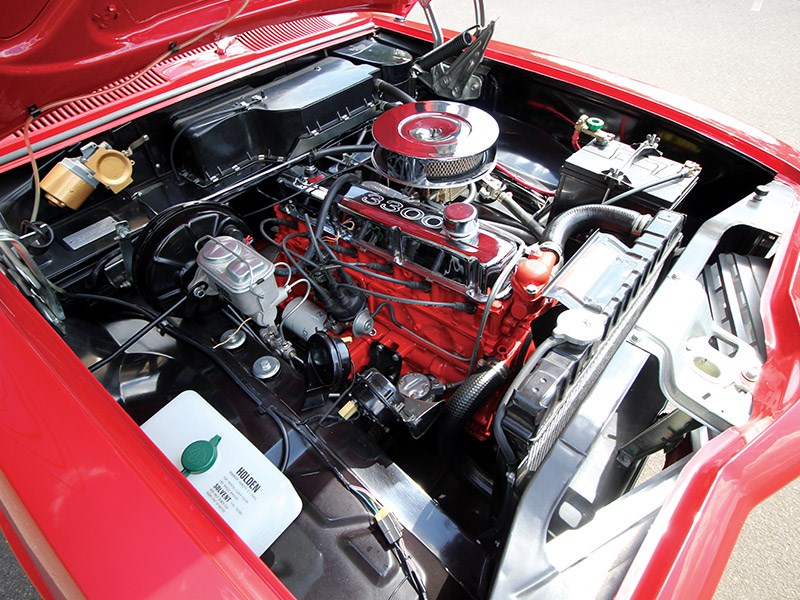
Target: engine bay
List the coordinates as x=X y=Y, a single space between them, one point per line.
x=400 y=292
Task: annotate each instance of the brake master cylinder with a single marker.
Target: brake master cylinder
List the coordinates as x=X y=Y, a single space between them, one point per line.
x=242 y=276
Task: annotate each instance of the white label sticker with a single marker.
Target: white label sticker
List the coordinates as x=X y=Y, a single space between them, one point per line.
x=233 y=491
x=92 y=233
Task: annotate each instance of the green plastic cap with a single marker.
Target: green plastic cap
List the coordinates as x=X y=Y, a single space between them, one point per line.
x=595 y=123
x=199 y=456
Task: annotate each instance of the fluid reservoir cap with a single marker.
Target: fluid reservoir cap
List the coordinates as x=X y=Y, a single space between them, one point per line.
x=111 y=168
x=580 y=326
x=199 y=456
x=414 y=385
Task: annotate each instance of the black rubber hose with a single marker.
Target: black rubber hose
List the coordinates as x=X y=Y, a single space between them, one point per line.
x=452 y=47
x=504 y=448
x=393 y=92
x=334 y=150
x=473 y=474
x=286 y=450
x=140 y=310
x=591 y=216
x=313 y=248
x=460 y=407
x=523 y=217
x=330 y=197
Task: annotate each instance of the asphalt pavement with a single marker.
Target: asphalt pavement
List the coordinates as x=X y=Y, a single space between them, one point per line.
x=739 y=56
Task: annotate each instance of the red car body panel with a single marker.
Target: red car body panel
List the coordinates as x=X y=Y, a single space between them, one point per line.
x=70 y=456
x=57 y=49
x=184 y=70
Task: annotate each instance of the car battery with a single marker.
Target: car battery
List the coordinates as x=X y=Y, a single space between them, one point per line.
x=603 y=171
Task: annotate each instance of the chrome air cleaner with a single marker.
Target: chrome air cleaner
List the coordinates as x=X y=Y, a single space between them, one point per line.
x=434 y=144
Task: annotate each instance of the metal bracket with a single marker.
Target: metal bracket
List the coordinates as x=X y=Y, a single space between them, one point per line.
x=677 y=328
x=125 y=242
x=663 y=434
x=646 y=148
x=116 y=274
x=18 y=265
x=458 y=81
x=135 y=144
x=712 y=386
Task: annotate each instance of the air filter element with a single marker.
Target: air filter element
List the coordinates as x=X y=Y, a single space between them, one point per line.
x=434 y=144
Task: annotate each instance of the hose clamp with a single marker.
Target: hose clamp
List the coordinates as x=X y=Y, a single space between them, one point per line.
x=639 y=225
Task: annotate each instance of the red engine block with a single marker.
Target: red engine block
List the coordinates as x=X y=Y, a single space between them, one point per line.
x=435 y=340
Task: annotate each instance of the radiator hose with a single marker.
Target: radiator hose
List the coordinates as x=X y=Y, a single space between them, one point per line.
x=471 y=394
x=591 y=216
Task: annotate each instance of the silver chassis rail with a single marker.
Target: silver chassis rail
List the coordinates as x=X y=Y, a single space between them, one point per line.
x=712 y=386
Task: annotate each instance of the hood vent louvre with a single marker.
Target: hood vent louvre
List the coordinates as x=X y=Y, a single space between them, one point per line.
x=256 y=40
x=265 y=38
x=79 y=107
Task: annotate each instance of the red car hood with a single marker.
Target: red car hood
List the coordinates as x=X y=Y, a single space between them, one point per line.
x=57 y=49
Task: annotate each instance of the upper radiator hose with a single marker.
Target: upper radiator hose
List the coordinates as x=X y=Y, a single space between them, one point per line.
x=330 y=198
x=591 y=216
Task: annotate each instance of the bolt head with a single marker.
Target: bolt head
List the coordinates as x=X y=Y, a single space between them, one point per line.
x=751 y=373
x=266 y=367
x=760 y=192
